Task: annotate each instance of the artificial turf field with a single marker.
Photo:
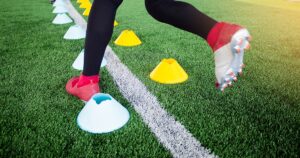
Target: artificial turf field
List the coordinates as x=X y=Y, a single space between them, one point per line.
x=258 y=117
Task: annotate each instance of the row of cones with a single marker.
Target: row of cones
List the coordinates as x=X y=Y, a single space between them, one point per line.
x=102 y=113
x=168 y=71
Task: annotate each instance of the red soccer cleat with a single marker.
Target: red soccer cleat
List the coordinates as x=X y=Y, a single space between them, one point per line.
x=229 y=42
x=83 y=87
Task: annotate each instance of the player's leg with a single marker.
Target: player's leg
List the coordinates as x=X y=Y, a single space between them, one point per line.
x=228 y=41
x=99 y=32
x=181 y=15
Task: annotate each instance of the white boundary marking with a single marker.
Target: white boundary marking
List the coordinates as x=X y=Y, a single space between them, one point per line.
x=172 y=134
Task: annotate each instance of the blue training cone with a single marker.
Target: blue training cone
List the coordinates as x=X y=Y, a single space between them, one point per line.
x=78 y=63
x=102 y=114
x=62 y=19
x=75 y=32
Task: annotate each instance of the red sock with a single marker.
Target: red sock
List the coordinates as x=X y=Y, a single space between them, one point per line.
x=221 y=34
x=213 y=34
x=85 y=80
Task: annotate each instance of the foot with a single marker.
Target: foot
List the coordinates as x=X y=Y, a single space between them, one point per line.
x=83 y=87
x=229 y=43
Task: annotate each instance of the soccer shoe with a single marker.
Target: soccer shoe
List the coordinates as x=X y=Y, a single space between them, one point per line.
x=84 y=91
x=229 y=45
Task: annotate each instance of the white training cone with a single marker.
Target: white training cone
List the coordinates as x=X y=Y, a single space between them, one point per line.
x=62 y=19
x=58 y=3
x=60 y=10
x=78 y=63
x=75 y=32
x=102 y=114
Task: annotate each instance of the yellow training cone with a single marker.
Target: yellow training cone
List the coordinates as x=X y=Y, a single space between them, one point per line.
x=87 y=11
x=85 y=5
x=128 y=38
x=82 y=1
x=116 y=23
x=168 y=71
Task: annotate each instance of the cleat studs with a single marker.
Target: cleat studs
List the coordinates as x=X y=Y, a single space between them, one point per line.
x=234 y=79
x=230 y=72
x=226 y=80
x=247 y=46
x=232 y=75
x=237 y=49
x=225 y=85
x=217 y=84
x=240 y=41
x=230 y=84
x=249 y=38
x=240 y=72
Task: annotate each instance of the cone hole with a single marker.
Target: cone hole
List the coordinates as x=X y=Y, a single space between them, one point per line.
x=100 y=98
x=169 y=61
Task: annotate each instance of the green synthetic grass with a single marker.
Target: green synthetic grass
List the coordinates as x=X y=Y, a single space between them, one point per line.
x=260 y=115
x=37 y=116
x=282 y=4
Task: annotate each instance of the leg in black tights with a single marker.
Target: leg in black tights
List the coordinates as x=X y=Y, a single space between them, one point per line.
x=100 y=25
x=99 y=32
x=181 y=15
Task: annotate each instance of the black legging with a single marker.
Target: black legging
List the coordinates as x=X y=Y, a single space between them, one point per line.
x=100 y=25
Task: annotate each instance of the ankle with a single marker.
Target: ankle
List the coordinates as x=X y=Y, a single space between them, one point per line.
x=214 y=34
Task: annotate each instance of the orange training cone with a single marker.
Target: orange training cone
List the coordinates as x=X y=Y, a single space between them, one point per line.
x=128 y=38
x=168 y=71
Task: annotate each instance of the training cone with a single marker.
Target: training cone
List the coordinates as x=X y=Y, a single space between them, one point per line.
x=85 y=4
x=78 y=63
x=102 y=114
x=128 y=38
x=74 y=32
x=82 y=1
x=87 y=11
x=58 y=3
x=62 y=19
x=60 y=10
x=116 y=23
x=168 y=71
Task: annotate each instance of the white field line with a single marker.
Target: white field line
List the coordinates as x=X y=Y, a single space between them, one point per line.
x=172 y=134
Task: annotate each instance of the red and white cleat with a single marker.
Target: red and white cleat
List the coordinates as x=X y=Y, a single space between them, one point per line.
x=229 y=43
x=83 y=87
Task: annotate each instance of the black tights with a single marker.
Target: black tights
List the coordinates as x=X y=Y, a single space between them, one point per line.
x=100 y=25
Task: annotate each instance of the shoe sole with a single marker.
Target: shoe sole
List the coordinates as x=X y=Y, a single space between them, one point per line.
x=240 y=42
